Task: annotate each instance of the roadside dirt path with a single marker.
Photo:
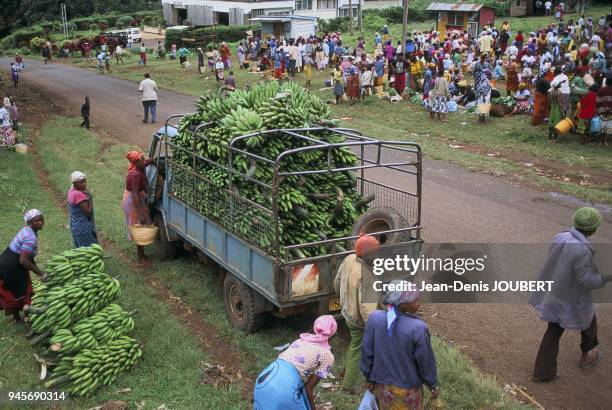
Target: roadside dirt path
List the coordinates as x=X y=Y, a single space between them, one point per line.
x=458 y=206
x=207 y=336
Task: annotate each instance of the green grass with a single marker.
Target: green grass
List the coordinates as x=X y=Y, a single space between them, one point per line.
x=65 y=147
x=169 y=371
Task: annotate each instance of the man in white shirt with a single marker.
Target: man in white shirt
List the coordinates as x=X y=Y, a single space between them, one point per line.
x=148 y=88
x=484 y=43
x=561 y=83
x=548 y=7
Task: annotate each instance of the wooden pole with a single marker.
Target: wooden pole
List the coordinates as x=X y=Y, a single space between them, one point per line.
x=404 y=25
x=350 y=17
x=361 y=15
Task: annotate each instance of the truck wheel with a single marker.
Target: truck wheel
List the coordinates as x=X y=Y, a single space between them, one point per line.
x=382 y=219
x=239 y=305
x=166 y=249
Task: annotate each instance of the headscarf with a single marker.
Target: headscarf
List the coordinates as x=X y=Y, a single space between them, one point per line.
x=7 y=102
x=587 y=219
x=324 y=328
x=403 y=294
x=366 y=244
x=31 y=214
x=133 y=157
x=77 y=176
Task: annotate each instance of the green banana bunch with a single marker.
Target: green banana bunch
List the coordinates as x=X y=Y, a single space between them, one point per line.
x=83 y=373
x=66 y=266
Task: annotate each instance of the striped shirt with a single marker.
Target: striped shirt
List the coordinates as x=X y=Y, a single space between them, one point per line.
x=25 y=241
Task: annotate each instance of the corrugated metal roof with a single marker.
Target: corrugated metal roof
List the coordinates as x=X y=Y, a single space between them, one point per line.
x=454 y=7
x=283 y=18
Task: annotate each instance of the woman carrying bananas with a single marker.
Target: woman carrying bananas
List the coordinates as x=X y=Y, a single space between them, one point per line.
x=135 y=198
x=17 y=262
x=80 y=209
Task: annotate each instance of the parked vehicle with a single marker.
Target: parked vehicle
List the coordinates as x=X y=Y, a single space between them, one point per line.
x=256 y=281
x=135 y=34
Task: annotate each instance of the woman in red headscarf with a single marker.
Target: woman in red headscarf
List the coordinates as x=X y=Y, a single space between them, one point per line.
x=135 y=198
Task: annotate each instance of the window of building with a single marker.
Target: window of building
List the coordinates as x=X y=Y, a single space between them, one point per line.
x=326 y=4
x=303 y=4
x=344 y=12
x=257 y=12
x=454 y=19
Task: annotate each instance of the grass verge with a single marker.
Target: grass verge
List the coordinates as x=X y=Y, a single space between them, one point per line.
x=168 y=372
x=65 y=147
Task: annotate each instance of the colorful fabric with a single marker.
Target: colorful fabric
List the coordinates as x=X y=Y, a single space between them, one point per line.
x=352 y=86
x=396 y=398
x=523 y=107
x=540 y=108
x=324 y=328
x=133 y=157
x=136 y=180
x=309 y=358
x=280 y=387
x=366 y=244
x=82 y=225
x=439 y=104
x=400 y=82
x=15 y=283
x=25 y=241
x=130 y=210
x=7 y=137
x=512 y=79
x=352 y=375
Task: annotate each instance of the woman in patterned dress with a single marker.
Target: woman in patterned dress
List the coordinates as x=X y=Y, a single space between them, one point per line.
x=80 y=209
x=16 y=263
x=288 y=383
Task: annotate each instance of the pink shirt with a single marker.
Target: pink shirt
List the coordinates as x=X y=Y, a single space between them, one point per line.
x=75 y=197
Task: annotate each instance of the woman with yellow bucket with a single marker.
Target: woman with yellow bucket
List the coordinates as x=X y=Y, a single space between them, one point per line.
x=558 y=120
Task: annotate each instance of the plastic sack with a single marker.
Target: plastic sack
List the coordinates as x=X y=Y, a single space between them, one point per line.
x=451 y=106
x=595 y=125
x=368 y=402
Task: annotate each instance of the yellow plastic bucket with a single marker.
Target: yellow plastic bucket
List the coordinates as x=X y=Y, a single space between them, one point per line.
x=564 y=126
x=21 y=148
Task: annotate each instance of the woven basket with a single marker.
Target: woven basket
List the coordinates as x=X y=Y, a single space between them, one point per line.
x=143 y=234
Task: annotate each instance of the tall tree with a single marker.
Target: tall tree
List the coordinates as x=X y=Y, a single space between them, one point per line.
x=11 y=11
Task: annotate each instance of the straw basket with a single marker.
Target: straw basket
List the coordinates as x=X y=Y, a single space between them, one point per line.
x=564 y=126
x=21 y=148
x=484 y=109
x=143 y=234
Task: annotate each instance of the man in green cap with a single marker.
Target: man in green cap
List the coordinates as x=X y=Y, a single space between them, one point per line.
x=569 y=305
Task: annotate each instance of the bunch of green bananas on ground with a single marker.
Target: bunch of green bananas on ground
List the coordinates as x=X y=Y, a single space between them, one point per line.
x=90 y=332
x=64 y=267
x=81 y=297
x=83 y=373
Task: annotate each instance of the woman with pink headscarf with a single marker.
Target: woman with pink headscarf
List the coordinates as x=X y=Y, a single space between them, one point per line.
x=288 y=383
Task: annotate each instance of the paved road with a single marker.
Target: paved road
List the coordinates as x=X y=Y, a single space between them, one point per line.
x=458 y=206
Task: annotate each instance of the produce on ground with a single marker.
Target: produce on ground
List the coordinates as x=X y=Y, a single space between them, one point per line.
x=508 y=101
x=73 y=314
x=312 y=207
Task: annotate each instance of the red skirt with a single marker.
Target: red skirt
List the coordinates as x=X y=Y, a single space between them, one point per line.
x=400 y=83
x=15 y=283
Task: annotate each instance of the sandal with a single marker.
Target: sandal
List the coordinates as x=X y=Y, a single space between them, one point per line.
x=591 y=363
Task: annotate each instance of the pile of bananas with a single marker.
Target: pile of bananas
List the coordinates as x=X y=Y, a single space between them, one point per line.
x=84 y=331
x=72 y=263
x=59 y=307
x=83 y=373
x=311 y=207
x=88 y=333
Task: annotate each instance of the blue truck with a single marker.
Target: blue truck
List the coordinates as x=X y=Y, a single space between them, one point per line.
x=278 y=279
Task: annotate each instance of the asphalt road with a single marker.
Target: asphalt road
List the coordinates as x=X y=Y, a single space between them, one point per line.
x=458 y=206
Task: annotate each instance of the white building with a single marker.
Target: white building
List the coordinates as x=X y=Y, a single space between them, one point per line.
x=205 y=12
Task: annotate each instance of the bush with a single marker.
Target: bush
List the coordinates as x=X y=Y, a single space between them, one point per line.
x=36 y=44
x=125 y=20
x=133 y=23
x=22 y=37
x=72 y=26
x=502 y=8
x=335 y=24
x=103 y=26
x=83 y=23
x=50 y=26
x=103 y=21
x=373 y=22
x=93 y=27
x=120 y=25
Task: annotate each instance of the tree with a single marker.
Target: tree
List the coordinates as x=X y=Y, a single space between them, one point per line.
x=11 y=11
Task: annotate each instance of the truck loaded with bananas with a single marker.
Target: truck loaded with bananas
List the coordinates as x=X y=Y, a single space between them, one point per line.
x=83 y=332
x=319 y=201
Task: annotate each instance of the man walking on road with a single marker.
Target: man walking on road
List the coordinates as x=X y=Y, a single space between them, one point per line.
x=569 y=304
x=148 y=88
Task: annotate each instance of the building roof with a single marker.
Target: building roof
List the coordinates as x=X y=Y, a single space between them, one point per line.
x=282 y=19
x=466 y=7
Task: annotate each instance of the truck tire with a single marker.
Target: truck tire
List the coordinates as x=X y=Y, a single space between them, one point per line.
x=382 y=219
x=166 y=249
x=238 y=300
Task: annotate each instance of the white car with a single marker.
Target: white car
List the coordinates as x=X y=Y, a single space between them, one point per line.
x=134 y=34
